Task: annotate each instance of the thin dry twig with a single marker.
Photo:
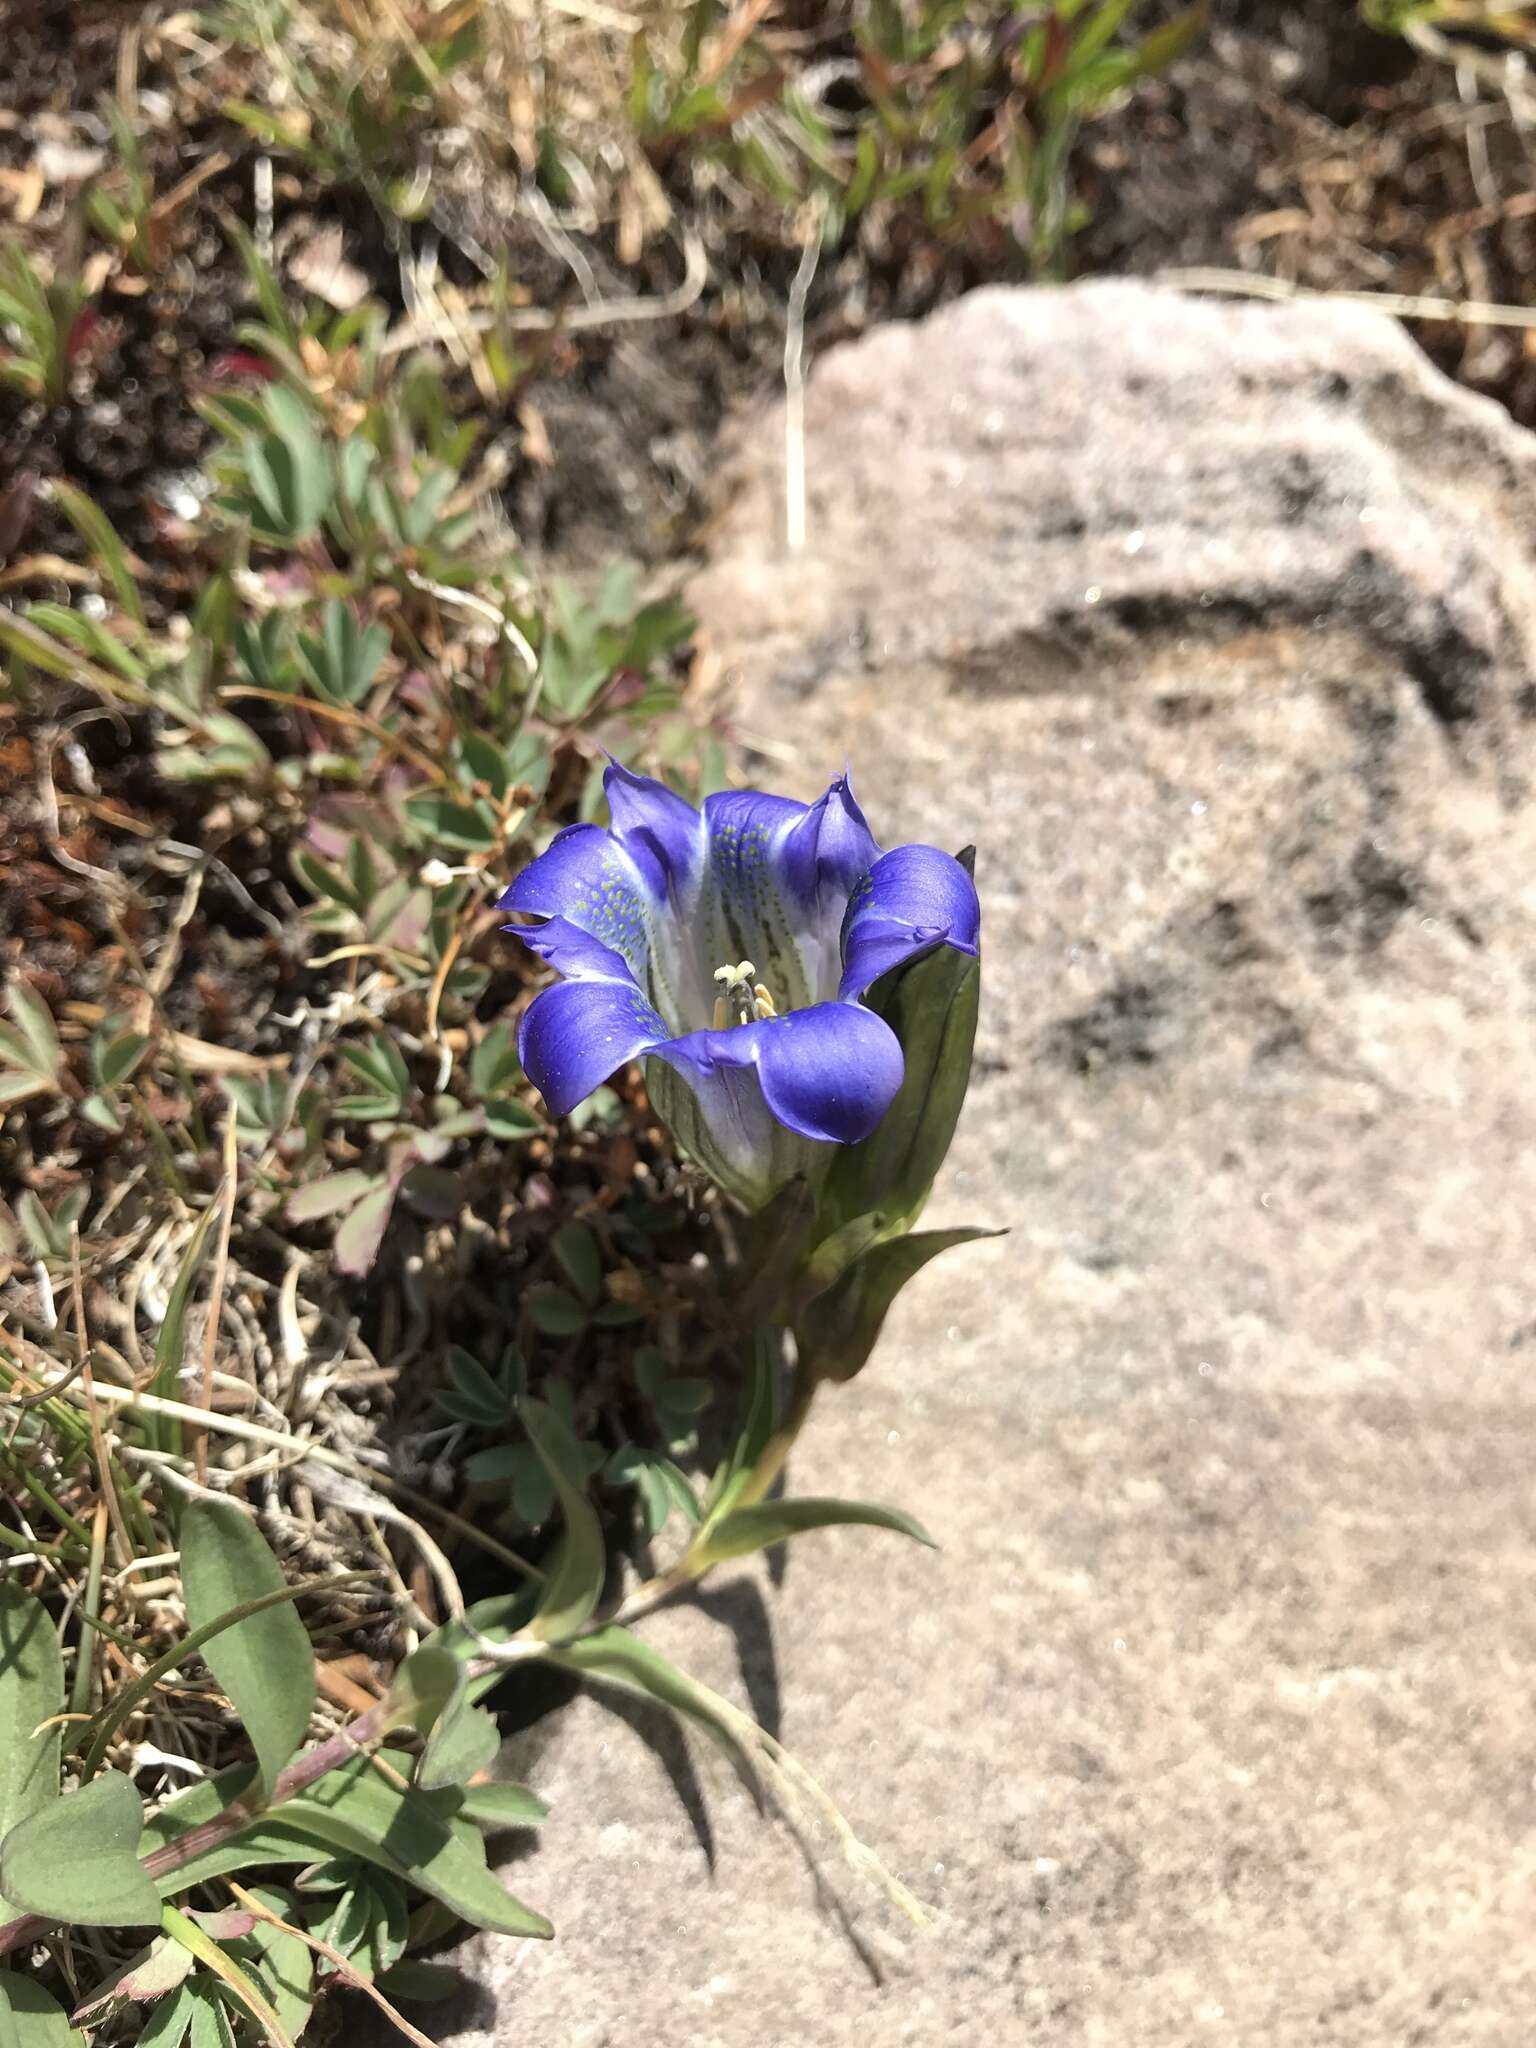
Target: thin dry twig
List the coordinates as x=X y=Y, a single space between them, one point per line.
x=352 y=1978
x=1401 y=305
x=575 y=319
x=794 y=390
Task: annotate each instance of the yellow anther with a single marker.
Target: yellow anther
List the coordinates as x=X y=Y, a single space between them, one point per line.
x=744 y=999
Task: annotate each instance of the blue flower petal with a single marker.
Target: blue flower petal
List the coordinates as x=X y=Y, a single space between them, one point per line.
x=577 y=1033
x=913 y=899
x=572 y=951
x=663 y=835
x=586 y=877
x=738 y=816
x=829 y=1072
x=751 y=914
x=830 y=849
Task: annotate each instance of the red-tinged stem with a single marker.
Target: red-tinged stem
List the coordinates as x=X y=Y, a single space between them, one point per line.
x=303 y=1772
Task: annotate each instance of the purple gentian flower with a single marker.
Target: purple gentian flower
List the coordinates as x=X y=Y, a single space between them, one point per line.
x=729 y=948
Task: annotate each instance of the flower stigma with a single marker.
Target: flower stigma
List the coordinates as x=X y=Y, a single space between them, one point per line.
x=744 y=999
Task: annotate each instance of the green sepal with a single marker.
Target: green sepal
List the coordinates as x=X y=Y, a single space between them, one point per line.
x=883 y=1183
x=838 y=1330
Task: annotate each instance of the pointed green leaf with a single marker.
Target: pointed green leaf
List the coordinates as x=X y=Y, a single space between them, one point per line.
x=555 y=1312
x=263 y=1663
x=76 y=1859
x=359 y=1237
x=744 y=1530
x=281 y=1963
x=124 y=1699
x=115 y=1055
x=16 y=1086
x=426 y=1684
x=502 y=1805
x=331 y=1192
x=509 y=1120
x=581 y=1259
x=104 y=542
x=759 y=1413
x=580 y=1562
x=30 y=2017
x=612 y=1656
x=357 y=1810
x=470 y=827
x=170 y=2022
x=46 y=1056
x=211 y=2023
x=464 y=1740
x=420 y=1983
x=222 y=1965
x=838 y=1331
x=31 y=1690
x=494 y=1064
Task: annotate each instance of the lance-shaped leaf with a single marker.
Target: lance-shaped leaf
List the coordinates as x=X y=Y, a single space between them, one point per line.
x=501 y=1804
x=464 y=1740
x=212 y=2021
x=170 y=2022
x=31 y=1691
x=104 y=542
x=223 y=1966
x=77 y=1859
x=612 y=1656
x=744 y=1530
x=759 y=1413
x=281 y=1963
x=838 y=1330
x=431 y=1693
x=576 y=1574
x=331 y=1192
x=264 y=1663
x=31 y=1058
x=356 y=1809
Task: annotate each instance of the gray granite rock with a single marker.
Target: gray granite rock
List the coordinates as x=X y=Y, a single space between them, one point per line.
x=1213 y=1720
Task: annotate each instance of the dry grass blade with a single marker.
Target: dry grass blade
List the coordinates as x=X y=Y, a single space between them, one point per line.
x=1401 y=305
x=216 y=1295
x=349 y=1976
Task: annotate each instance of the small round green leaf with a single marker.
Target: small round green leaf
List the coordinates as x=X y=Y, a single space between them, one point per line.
x=77 y=1859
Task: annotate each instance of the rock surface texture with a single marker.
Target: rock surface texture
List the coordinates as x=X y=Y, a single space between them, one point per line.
x=1215 y=1719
